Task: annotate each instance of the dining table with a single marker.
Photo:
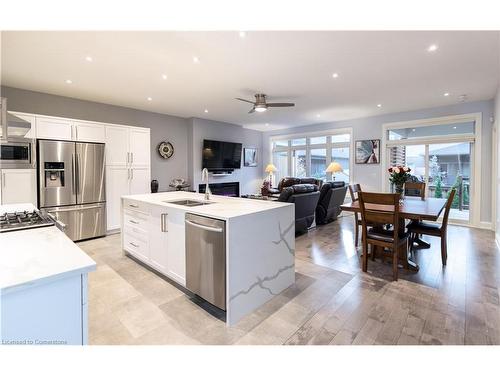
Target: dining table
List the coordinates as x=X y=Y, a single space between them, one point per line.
x=411 y=208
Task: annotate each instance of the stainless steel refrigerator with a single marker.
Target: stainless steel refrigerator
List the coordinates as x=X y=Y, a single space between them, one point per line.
x=71 y=186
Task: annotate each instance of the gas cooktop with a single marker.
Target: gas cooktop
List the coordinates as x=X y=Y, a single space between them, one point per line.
x=10 y=221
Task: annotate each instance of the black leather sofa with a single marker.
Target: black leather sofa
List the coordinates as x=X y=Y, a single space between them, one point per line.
x=331 y=196
x=305 y=197
x=290 y=181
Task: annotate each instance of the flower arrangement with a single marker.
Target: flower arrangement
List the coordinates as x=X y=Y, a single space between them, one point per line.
x=398 y=176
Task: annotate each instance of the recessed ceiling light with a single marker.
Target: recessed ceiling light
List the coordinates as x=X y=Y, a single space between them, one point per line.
x=446 y=94
x=89 y=58
x=149 y=98
x=243 y=34
x=196 y=60
x=318 y=115
x=164 y=76
x=206 y=110
x=68 y=81
x=432 y=48
x=454 y=127
x=413 y=130
x=335 y=75
x=267 y=124
x=379 y=105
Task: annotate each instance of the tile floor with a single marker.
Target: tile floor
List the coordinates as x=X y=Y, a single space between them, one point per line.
x=332 y=302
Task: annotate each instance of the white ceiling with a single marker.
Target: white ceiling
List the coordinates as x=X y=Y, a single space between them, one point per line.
x=392 y=68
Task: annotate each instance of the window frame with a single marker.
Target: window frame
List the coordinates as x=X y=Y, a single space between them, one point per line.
x=328 y=146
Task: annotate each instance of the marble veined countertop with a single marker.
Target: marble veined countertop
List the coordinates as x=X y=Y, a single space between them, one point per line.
x=32 y=256
x=221 y=207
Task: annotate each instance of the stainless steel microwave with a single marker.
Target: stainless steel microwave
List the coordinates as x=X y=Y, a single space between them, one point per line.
x=18 y=153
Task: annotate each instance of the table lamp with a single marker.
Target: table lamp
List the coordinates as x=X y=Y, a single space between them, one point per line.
x=270 y=169
x=333 y=168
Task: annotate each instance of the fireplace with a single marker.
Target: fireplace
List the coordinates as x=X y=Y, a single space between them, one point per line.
x=227 y=189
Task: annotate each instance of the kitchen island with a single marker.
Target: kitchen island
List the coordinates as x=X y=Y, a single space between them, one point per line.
x=259 y=243
x=43 y=286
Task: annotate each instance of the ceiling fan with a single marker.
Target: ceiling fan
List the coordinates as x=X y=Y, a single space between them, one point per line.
x=260 y=104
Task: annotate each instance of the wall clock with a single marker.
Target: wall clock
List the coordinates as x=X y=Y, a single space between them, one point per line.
x=165 y=149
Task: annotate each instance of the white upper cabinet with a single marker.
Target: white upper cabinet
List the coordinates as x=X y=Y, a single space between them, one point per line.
x=54 y=128
x=31 y=119
x=117 y=142
x=88 y=132
x=18 y=186
x=140 y=155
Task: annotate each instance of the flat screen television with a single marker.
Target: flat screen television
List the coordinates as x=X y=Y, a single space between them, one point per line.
x=221 y=156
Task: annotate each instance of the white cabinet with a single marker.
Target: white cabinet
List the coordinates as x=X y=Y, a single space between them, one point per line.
x=128 y=167
x=158 y=234
x=88 y=132
x=140 y=155
x=176 y=255
x=117 y=143
x=54 y=128
x=117 y=185
x=18 y=186
x=32 y=120
x=155 y=235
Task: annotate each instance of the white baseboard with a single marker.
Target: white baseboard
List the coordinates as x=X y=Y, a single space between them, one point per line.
x=486 y=225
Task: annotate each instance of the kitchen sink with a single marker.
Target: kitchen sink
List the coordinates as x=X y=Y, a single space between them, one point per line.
x=189 y=202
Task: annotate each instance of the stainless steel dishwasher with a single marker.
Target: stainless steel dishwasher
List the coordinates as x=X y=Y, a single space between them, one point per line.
x=206 y=258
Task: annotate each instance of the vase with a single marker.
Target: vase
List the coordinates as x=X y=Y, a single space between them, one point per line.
x=399 y=189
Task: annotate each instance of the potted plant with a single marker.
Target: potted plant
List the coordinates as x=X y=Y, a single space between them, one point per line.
x=398 y=176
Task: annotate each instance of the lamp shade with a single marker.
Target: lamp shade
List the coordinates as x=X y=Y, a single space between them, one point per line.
x=270 y=168
x=334 y=167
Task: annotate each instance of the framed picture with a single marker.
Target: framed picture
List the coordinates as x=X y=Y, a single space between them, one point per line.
x=368 y=151
x=250 y=157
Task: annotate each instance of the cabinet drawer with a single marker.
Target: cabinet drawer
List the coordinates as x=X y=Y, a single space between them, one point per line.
x=136 y=242
x=136 y=219
x=133 y=205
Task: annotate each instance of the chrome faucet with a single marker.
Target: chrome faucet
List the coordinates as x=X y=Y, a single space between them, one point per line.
x=204 y=178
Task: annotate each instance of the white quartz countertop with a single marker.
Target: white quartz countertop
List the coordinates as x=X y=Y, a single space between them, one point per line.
x=221 y=207
x=38 y=255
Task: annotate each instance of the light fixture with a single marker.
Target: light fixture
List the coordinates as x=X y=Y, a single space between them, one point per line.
x=333 y=168
x=267 y=124
x=413 y=130
x=196 y=60
x=454 y=127
x=149 y=98
x=164 y=76
x=318 y=115
x=243 y=34
x=270 y=168
x=379 y=105
x=68 y=81
x=89 y=58
x=432 y=48
x=446 y=94
x=260 y=107
x=206 y=111
x=335 y=75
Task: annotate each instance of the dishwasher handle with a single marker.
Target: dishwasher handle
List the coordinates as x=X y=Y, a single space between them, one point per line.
x=204 y=227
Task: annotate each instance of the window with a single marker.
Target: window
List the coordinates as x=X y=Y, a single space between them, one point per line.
x=309 y=155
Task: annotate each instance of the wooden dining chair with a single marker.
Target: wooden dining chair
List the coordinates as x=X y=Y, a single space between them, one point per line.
x=354 y=191
x=415 y=189
x=435 y=230
x=380 y=209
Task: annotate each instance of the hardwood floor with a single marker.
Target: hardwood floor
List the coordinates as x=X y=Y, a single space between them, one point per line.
x=332 y=302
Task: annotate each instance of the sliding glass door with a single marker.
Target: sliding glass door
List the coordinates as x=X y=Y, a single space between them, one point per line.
x=442 y=157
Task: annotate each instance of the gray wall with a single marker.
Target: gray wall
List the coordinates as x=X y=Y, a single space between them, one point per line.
x=371 y=128
x=250 y=178
x=163 y=127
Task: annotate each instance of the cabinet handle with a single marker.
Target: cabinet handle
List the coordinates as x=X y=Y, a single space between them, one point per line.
x=131 y=158
x=133 y=222
x=134 y=205
x=76 y=133
x=128 y=174
x=133 y=244
x=164 y=223
x=132 y=172
x=128 y=157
